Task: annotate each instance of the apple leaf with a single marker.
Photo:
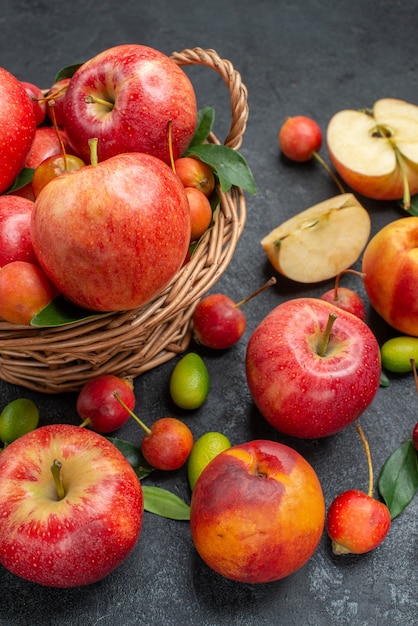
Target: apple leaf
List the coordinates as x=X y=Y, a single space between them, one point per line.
x=23 y=178
x=398 y=479
x=67 y=72
x=205 y=121
x=384 y=379
x=165 y=503
x=133 y=455
x=60 y=312
x=228 y=164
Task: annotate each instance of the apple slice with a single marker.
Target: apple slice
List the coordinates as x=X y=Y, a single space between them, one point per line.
x=376 y=152
x=320 y=242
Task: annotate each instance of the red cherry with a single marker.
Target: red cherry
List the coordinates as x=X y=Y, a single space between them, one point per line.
x=98 y=407
x=415 y=436
x=299 y=138
x=168 y=444
x=345 y=298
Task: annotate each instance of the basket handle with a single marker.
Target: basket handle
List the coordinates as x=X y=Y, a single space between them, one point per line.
x=232 y=78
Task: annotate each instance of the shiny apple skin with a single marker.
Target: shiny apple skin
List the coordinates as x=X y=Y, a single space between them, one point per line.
x=148 y=90
x=390 y=266
x=83 y=537
x=299 y=392
x=112 y=236
x=15 y=237
x=17 y=128
x=257 y=512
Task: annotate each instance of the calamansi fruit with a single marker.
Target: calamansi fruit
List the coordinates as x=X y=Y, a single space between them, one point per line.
x=397 y=353
x=18 y=418
x=189 y=382
x=204 y=450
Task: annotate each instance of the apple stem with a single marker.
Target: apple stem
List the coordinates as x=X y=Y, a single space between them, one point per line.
x=95 y=100
x=329 y=170
x=132 y=414
x=93 y=151
x=56 y=474
x=271 y=281
x=325 y=339
x=337 y=279
x=368 y=456
x=170 y=145
x=406 y=192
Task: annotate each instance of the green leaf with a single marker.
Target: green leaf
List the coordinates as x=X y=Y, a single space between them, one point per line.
x=205 y=121
x=133 y=455
x=413 y=209
x=165 y=503
x=384 y=380
x=23 y=178
x=228 y=164
x=67 y=72
x=60 y=312
x=398 y=479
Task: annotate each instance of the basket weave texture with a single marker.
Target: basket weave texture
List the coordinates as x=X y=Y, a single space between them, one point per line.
x=62 y=359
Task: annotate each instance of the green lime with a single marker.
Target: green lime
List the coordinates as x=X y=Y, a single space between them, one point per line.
x=204 y=450
x=18 y=418
x=397 y=353
x=189 y=382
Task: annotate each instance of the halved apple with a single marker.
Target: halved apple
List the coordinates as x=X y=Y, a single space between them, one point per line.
x=320 y=242
x=376 y=151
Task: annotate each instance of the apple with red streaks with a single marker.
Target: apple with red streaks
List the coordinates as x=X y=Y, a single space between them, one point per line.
x=312 y=368
x=127 y=96
x=71 y=506
x=257 y=512
x=112 y=236
x=15 y=237
x=17 y=128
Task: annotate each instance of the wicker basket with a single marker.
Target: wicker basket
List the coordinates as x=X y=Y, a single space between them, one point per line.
x=62 y=359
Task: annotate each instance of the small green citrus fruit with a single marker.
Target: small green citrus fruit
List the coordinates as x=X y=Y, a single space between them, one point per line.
x=18 y=418
x=189 y=382
x=397 y=353
x=204 y=450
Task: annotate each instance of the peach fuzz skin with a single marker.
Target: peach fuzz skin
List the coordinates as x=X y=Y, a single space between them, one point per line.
x=257 y=512
x=390 y=265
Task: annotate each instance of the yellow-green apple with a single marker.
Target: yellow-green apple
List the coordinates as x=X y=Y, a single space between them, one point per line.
x=111 y=236
x=376 y=151
x=127 y=96
x=71 y=506
x=257 y=512
x=15 y=237
x=307 y=377
x=17 y=128
x=320 y=242
x=390 y=266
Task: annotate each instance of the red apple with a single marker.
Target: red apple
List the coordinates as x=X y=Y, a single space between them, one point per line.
x=98 y=407
x=126 y=96
x=46 y=143
x=74 y=532
x=57 y=94
x=17 y=128
x=356 y=522
x=257 y=512
x=390 y=266
x=415 y=436
x=112 y=236
x=15 y=237
x=300 y=138
x=302 y=386
x=36 y=96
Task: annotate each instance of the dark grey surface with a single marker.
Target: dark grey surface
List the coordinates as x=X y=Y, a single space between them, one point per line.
x=310 y=57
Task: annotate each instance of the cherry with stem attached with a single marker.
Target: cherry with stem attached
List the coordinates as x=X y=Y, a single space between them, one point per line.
x=345 y=298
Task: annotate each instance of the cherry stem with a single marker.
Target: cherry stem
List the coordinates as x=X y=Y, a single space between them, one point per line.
x=51 y=104
x=368 y=456
x=56 y=474
x=325 y=338
x=86 y=422
x=329 y=170
x=414 y=370
x=93 y=151
x=271 y=281
x=337 y=279
x=132 y=414
x=170 y=145
x=95 y=100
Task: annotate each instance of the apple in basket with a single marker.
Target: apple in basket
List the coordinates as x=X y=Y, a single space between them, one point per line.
x=126 y=96
x=112 y=235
